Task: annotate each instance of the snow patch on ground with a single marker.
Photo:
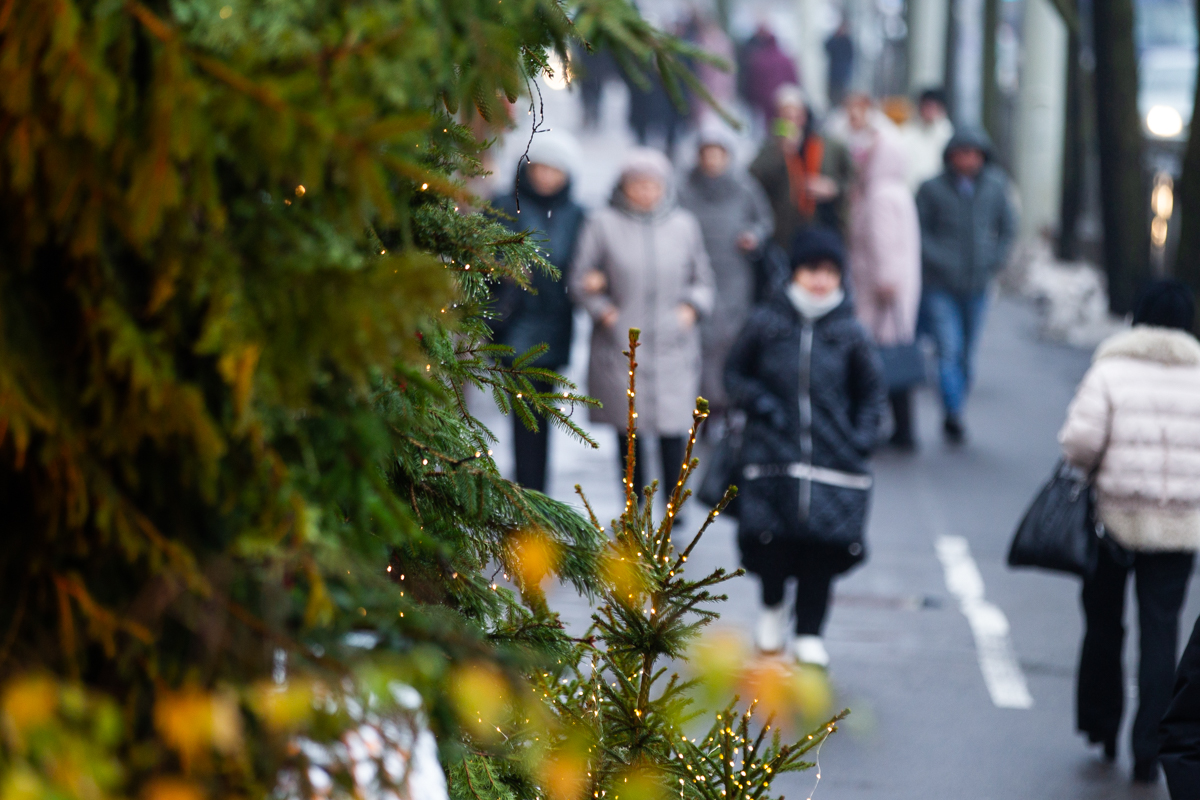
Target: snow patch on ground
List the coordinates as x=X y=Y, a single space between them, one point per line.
x=1072 y=297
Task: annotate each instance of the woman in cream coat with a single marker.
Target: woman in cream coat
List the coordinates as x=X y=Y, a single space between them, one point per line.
x=641 y=263
x=1135 y=423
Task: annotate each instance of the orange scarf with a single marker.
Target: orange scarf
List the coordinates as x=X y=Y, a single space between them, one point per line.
x=800 y=167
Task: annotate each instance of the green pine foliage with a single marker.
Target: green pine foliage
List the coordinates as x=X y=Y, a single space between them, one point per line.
x=242 y=299
x=624 y=710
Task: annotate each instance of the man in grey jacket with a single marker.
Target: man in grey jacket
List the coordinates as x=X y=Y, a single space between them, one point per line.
x=967 y=228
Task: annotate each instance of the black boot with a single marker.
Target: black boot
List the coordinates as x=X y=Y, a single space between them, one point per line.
x=954 y=430
x=903 y=437
x=1145 y=770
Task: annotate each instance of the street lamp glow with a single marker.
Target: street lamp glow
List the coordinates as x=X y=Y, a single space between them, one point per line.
x=557 y=76
x=1164 y=121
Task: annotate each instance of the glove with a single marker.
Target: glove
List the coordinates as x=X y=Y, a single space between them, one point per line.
x=772 y=409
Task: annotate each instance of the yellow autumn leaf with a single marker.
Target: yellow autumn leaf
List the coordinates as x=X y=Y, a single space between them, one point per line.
x=533 y=556
x=29 y=702
x=482 y=698
x=284 y=708
x=192 y=720
x=621 y=568
x=172 y=789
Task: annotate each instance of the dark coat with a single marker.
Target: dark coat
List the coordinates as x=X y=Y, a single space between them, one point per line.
x=528 y=318
x=965 y=240
x=814 y=396
x=1180 y=753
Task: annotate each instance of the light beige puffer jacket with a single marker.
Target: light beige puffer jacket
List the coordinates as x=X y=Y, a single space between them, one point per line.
x=1137 y=416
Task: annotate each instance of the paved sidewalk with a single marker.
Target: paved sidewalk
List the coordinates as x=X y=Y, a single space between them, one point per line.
x=924 y=724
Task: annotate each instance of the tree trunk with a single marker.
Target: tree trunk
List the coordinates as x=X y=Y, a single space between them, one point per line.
x=991 y=90
x=1074 y=154
x=951 y=71
x=1187 y=194
x=1124 y=196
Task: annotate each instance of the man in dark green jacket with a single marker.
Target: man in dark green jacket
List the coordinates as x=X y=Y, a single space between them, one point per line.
x=967 y=229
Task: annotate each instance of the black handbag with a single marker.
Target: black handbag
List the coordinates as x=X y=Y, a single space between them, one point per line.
x=903 y=364
x=1059 y=531
x=724 y=465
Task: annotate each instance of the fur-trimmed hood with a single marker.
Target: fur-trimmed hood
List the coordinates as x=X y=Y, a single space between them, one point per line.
x=1146 y=343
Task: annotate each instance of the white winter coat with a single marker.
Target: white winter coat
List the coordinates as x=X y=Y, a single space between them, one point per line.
x=1136 y=416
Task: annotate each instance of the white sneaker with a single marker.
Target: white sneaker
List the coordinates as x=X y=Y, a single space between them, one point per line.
x=770 y=634
x=811 y=650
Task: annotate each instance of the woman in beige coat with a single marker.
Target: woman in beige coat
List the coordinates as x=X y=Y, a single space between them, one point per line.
x=1135 y=424
x=641 y=263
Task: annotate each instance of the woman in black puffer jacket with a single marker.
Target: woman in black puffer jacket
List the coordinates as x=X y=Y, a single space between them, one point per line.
x=809 y=379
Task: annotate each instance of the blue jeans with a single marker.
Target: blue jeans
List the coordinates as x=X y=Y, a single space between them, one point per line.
x=954 y=321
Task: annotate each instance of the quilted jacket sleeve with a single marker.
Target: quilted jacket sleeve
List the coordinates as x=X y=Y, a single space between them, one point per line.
x=1084 y=436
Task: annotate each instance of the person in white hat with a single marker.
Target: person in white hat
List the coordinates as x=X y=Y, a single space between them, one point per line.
x=541 y=202
x=736 y=221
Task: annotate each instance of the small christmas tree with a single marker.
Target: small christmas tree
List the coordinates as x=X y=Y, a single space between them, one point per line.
x=622 y=713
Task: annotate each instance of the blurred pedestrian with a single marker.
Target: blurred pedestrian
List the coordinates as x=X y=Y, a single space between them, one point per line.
x=839 y=50
x=653 y=112
x=804 y=175
x=806 y=373
x=767 y=69
x=925 y=138
x=591 y=71
x=1180 y=751
x=735 y=219
x=885 y=261
x=543 y=315
x=967 y=228
x=1135 y=424
x=641 y=263
x=720 y=83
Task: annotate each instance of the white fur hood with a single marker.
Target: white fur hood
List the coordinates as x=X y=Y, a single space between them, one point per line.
x=1145 y=343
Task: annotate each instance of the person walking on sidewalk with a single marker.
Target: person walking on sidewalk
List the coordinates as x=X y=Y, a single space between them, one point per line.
x=1135 y=424
x=543 y=315
x=885 y=260
x=807 y=375
x=767 y=69
x=804 y=175
x=735 y=219
x=925 y=138
x=967 y=228
x=641 y=263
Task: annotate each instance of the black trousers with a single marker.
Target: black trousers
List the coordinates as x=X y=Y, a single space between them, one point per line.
x=1160 y=582
x=670 y=448
x=903 y=430
x=814 y=585
x=531 y=449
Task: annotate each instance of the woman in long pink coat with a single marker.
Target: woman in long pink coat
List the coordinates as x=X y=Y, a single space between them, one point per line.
x=885 y=257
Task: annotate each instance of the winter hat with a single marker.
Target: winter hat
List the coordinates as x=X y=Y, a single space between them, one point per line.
x=646 y=162
x=969 y=137
x=556 y=149
x=790 y=95
x=715 y=134
x=817 y=244
x=1166 y=304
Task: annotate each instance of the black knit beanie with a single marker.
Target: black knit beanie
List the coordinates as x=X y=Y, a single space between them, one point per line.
x=1166 y=304
x=815 y=244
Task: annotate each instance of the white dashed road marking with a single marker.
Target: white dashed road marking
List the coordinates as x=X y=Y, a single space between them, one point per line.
x=997 y=659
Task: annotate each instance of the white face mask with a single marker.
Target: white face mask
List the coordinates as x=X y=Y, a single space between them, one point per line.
x=810 y=305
